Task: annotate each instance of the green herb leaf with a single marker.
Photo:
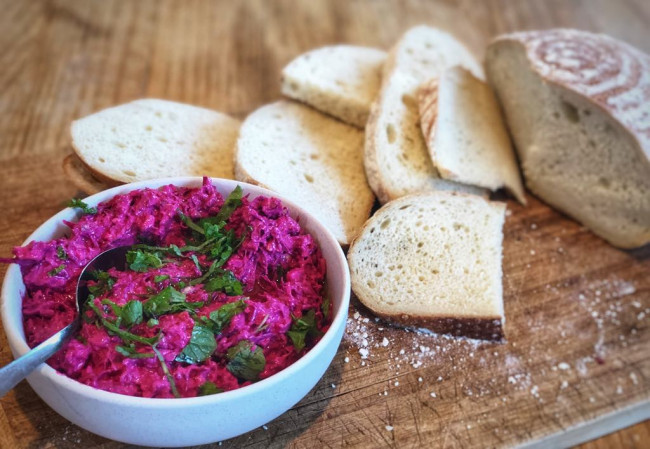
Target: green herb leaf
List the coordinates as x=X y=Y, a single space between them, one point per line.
x=126 y=336
x=212 y=270
x=245 y=362
x=161 y=278
x=56 y=270
x=201 y=346
x=161 y=303
x=302 y=328
x=326 y=307
x=152 y=322
x=209 y=388
x=220 y=318
x=60 y=253
x=76 y=203
x=103 y=285
x=130 y=352
x=226 y=283
x=168 y=375
x=232 y=202
x=131 y=313
x=211 y=229
x=190 y=224
x=140 y=260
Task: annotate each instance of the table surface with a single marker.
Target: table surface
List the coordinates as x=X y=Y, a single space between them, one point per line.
x=62 y=60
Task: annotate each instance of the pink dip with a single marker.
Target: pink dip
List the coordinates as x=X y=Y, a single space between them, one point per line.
x=280 y=268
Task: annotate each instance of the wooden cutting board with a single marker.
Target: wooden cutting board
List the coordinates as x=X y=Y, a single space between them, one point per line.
x=576 y=364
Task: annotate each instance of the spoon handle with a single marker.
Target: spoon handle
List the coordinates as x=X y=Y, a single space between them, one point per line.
x=17 y=370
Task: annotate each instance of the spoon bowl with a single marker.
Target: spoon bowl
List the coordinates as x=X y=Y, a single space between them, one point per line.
x=20 y=368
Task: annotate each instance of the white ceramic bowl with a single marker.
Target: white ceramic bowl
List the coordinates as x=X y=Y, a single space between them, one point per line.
x=185 y=421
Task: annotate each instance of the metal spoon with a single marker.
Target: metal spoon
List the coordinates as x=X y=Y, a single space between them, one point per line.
x=20 y=368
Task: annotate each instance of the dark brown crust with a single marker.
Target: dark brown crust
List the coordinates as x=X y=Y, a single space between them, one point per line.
x=481 y=328
x=82 y=176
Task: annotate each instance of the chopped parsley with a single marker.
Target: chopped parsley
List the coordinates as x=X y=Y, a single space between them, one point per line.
x=104 y=283
x=60 y=253
x=140 y=260
x=56 y=270
x=201 y=346
x=302 y=328
x=208 y=388
x=220 y=318
x=244 y=362
x=160 y=278
x=169 y=300
x=76 y=203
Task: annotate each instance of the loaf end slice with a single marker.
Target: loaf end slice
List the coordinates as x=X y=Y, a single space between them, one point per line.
x=433 y=260
x=465 y=133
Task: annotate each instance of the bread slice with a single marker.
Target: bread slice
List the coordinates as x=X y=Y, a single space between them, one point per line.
x=81 y=177
x=433 y=260
x=576 y=104
x=309 y=158
x=396 y=158
x=465 y=133
x=339 y=80
x=153 y=138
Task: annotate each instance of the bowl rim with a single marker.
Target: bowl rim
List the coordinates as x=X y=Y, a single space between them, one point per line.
x=17 y=338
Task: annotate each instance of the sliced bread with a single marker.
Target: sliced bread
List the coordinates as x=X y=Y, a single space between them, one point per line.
x=433 y=260
x=396 y=158
x=576 y=104
x=339 y=80
x=153 y=138
x=465 y=133
x=311 y=159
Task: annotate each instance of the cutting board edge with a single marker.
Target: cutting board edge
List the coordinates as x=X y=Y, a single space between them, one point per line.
x=589 y=430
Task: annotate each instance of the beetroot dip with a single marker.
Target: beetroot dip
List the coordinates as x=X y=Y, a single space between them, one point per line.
x=206 y=305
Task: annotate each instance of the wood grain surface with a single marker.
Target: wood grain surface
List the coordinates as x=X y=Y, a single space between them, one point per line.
x=578 y=321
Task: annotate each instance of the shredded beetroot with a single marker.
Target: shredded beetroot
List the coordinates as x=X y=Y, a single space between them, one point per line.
x=271 y=243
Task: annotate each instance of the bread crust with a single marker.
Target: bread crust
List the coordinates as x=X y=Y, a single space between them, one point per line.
x=370 y=163
x=537 y=46
x=112 y=182
x=84 y=177
x=480 y=328
x=526 y=40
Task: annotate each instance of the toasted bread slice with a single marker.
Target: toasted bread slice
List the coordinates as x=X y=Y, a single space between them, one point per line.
x=339 y=80
x=396 y=158
x=153 y=138
x=309 y=158
x=577 y=105
x=465 y=133
x=433 y=260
